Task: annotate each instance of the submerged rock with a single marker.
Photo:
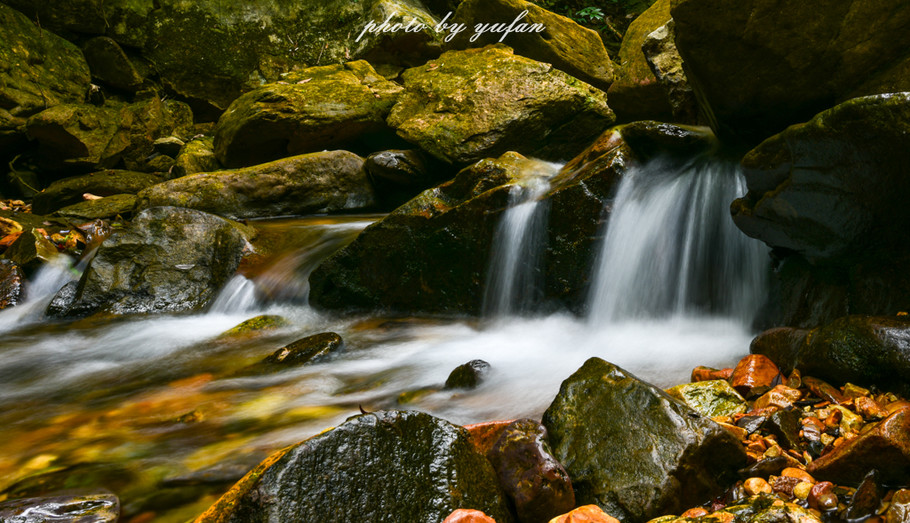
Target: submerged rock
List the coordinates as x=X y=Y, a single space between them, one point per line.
x=328 y=181
x=77 y=506
x=328 y=107
x=468 y=376
x=469 y=105
x=167 y=260
x=310 y=349
x=70 y=190
x=632 y=449
x=382 y=466
x=256 y=325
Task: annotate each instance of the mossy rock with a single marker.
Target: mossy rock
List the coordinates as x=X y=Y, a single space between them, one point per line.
x=710 y=398
x=196 y=156
x=110 y=65
x=305 y=350
x=69 y=191
x=101 y=209
x=259 y=324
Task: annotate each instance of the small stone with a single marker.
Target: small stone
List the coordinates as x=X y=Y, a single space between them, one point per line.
x=899 y=510
x=755 y=374
x=849 y=421
x=824 y=390
x=785 y=425
x=801 y=490
x=784 y=485
x=311 y=348
x=869 y=408
x=702 y=373
x=710 y=398
x=585 y=514
x=780 y=396
x=755 y=486
x=795 y=379
x=822 y=496
x=696 y=512
x=463 y=515
x=855 y=391
x=468 y=376
x=799 y=474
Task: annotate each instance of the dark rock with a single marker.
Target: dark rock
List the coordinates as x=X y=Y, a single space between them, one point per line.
x=523 y=106
x=328 y=181
x=764 y=468
x=532 y=478
x=397 y=465
x=110 y=65
x=96 y=506
x=167 y=260
x=632 y=449
x=328 y=107
x=751 y=423
x=781 y=345
x=866 y=499
x=37 y=68
x=468 y=376
x=168 y=146
x=760 y=65
x=11 y=280
x=63 y=300
x=104 y=183
x=785 y=424
x=309 y=349
x=399 y=175
x=824 y=390
x=570 y=47
x=103 y=208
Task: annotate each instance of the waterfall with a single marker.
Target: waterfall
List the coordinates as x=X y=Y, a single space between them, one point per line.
x=513 y=279
x=237 y=296
x=671 y=247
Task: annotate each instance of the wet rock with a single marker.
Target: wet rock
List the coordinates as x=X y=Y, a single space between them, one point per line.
x=533 y=479
x=329 y=181
x=63 y=300
x=585 y=514
x=31 y=250
x=702 y=373
x=399 y=175
x=756 y=486
x=312 y=348
x=397 y=465
x=104 y=183
x=669 y=459
x=256 y=325
x=167 y=260
x=899 y=510
x=886 y=447
x=168 y=146
x=636 y=94
x=328 y=107
x=780 y=397
x=866 y=499
x=785 y=424
x=468 y=376
x=807 y=56
x=473 y=104
x=463 y=515
x=765 y=468
x=822 y=496
x=570 y=47
x=660 y=51
x=38 y=69
x=97 y=506
x=110 y=65
x=710 y=398
x=103 y=208
x=484 y=435
x=754 y=375
x=196 y=156
x=11 y=281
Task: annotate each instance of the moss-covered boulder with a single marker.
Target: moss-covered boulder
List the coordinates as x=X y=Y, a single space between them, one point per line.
x=328 y=181
x=105 y=208
x=636 y=93
x=256 y=325
x=758 y=66
x=312 y=110
x=70 y=190
x=710 y=398
x=570 y=47
x=110 y=65
x=167 y=260
x=632 y=449
x=830 y=196
x=660 y=51
x=196 y=156
x=37 y=68
x=377 y=467
x=473 y=104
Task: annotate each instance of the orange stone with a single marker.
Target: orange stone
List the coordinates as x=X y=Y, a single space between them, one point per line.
x=585 y=514
x=701 y=373
x=696 y=512
x=824 y=390
x=484 y=435
x=797 y=473
x=754 y=375
x=780 y=396
x=869 y=408
x=464 y=515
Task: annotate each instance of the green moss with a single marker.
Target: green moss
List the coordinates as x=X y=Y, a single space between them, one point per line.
x=256 y=325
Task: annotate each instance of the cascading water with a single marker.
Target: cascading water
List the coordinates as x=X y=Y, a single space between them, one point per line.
x=671 y=248
x=513 y=279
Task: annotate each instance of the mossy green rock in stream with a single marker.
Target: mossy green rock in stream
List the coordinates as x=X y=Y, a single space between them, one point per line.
x=86 y=137
x=473 y=104
x=377 y=467
x=305 y=350
x=570 y=47
x=710 y=398
x=329 y=181
x=69 y=191
x=311 y=110
x=37 y=68
x=636 y=93
x=830 y=196
x=632 y=449
x=101 y=209
x=196 y=156
x=167 y=260
x=212 y=51
x=110 y=65
x=264 y=322
x=760 y=65
x=97 y=506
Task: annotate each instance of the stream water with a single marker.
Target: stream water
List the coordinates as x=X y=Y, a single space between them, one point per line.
x=156 y=410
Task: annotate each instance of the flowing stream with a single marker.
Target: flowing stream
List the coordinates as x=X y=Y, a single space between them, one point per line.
x=159 y=409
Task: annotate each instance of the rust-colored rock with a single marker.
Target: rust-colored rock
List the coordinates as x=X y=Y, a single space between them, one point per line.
x=822 y=496
x=780 y=396
x=585 y=514
x=755 y=374
x=824 y=390
x=464 y=515
x=485 y=434
x=702 y=373
x=886 y=447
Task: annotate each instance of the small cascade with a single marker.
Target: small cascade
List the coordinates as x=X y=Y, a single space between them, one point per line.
x=38 y=293
x=512 y=283
x=237 y=297
x=671 y=247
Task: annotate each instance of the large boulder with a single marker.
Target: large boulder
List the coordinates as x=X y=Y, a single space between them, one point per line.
x=110 y=64
x=328 y=181
x=70 y=190
x=212 y=51
x=760 y=65
x=632 y=449
x=829 y=196
x=570 y=47
x=473 y=104
x=37 y=68
x=168 y=260
x=377 y=467
x=315 y=109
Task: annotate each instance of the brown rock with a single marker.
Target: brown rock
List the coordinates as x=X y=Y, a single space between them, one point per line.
x=755 y=486
x=464 y=515
x=784 y=485
x=484 y=435
x=10 y=284
x=780 y=396
x=899 y=510
x=702 y=373
x=824 y=390
x=797 y=473
x=754 y=375
x=869 y=408
x=886 y=447
x=822 y=496
x=694 y=513
x=585 y=514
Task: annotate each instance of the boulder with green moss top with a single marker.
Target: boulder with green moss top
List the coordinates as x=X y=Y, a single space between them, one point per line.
x=560 y=41
x=758 y=66
x=710 y=398
x=258 y=324
x=167 y=260
x=69 y=191
x=105 y=208
x=196 y=156
x=473 y=104
x=85 y=137
x=110 y=65
x=311 y=110
x=38 y=69
x=382 y=466
x=321 y=182
x=632 y=449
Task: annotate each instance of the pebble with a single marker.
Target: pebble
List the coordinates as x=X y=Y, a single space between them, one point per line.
x=756 y=486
